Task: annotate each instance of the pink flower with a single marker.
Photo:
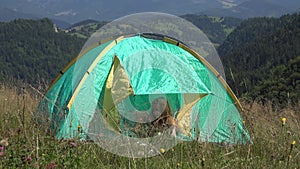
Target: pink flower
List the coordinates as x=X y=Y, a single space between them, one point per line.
x=2 y=154
x=1 y=148
x=51 y=165
x=29 y=158
x=73 y=144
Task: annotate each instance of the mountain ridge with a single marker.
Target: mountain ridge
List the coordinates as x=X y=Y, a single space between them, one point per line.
x=73 y=11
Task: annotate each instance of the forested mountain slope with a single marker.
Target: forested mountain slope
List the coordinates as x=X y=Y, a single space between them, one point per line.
x=262 y=59
x=32 y=50
x=215 y=28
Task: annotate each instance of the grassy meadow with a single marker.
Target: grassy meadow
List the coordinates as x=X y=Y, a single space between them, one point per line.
x=24 y=145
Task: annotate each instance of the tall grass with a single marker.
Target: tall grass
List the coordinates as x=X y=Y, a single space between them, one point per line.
x=29 y=146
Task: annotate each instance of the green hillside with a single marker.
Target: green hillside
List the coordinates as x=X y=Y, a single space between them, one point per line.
x=215 y=28
x=33 y=51
x=260 y=55
x=263 y=55
x=86 y=28
x=250 y=30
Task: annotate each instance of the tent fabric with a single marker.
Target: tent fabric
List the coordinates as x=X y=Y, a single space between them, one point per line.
x=112 y=82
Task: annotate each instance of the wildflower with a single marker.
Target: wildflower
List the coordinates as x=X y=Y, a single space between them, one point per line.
x=43 y=155
x=283 y=121
x=29 y=158
x=202 y=161
x=78 y=127
x=73 y=144
x=51 y=165
x=292 y=145
x=2 y=151
x=4 y=142
x=244 y=122
x=178 y=164
x=162 y=150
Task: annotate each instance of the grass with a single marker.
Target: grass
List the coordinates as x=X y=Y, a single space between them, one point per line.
x=29 y=146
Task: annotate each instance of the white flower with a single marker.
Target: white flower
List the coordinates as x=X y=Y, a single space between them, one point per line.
x=4 y=142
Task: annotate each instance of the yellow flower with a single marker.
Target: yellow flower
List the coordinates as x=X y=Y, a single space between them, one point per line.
x=294 y=142
x=78 y=127
x=162 y=150
x=178 y=164
x=244 y=122
x=283 y=120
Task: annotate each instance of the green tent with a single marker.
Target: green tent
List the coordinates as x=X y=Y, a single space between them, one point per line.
x=109 y=84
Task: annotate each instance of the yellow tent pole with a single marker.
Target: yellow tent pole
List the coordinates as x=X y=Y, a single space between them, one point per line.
x=74 y=60
x=209 y=66
x=92 y=66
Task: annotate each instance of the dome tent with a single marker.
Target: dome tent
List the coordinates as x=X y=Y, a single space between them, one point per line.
x=106 y=86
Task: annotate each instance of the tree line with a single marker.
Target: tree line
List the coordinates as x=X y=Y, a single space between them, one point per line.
x=262 y=58
x=31 y=50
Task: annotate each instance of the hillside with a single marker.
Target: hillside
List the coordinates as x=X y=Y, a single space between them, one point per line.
x=7 y=15
x=251 y=30
x=33 y=51
x=215 y=28
x=85 y=28
x=257 y=8
x=263 y=56
x=73 y=11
